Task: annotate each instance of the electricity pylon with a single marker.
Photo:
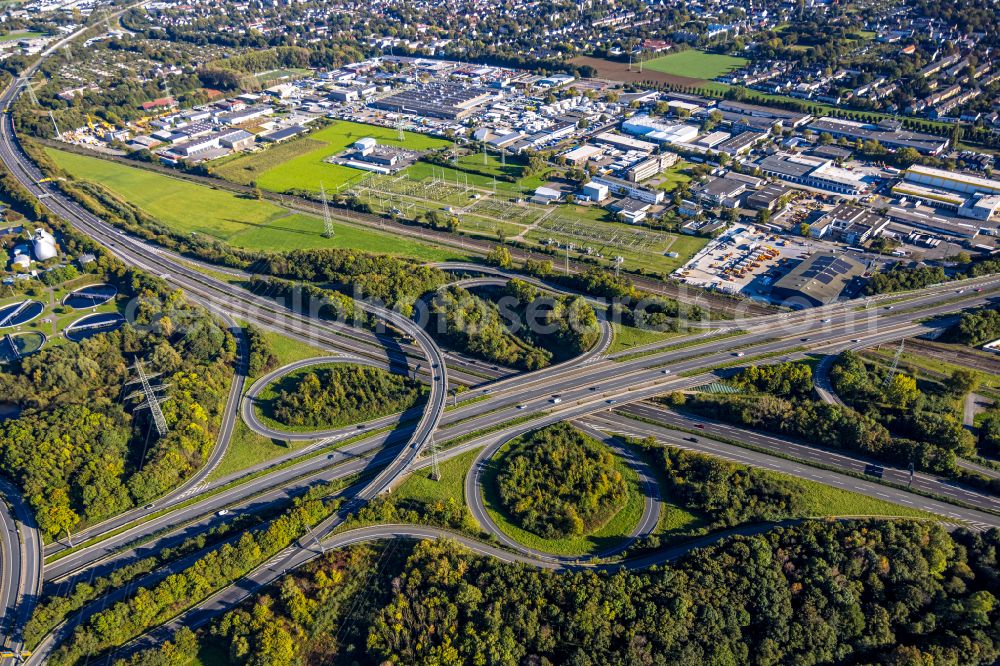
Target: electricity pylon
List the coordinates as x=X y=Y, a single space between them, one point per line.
x=152 y=401
x=435 y=463
x=327 y=222
x=895 y=362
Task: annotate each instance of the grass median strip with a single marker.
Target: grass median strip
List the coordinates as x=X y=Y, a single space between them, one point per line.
x=461 y=439
x=679 y=345
x=742 y=361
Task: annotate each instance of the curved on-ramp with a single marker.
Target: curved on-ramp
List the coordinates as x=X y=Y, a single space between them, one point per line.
x=253 y=421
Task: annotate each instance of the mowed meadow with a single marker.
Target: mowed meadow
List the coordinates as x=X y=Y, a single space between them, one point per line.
x=188 y=207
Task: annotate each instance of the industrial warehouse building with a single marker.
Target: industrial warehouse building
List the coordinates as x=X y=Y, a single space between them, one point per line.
x=818 y=280
x=629 y=189
x=644 y=126
x=962 y=194
x=785 y=117
x=448 y=101
x=814 y=172
x=951 y=180
x=887 y=132
x=849 y=224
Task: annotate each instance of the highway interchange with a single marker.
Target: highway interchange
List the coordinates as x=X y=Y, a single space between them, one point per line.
x=601 y=394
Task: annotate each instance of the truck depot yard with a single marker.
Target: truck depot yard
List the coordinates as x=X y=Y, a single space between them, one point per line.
x=737 y=261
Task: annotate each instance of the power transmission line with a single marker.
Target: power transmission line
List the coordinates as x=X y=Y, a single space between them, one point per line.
x=53 y=119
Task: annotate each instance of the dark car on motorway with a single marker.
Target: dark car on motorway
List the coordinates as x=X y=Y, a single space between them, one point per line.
x=874 y=470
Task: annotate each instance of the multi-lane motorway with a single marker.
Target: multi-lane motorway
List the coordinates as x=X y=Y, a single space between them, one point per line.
x=491 y=413
x=20 y=568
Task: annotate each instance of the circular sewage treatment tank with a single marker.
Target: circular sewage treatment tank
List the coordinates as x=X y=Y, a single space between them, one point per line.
x=16 y=345
x=91 y=325
x=90 y=296
x=20 y=313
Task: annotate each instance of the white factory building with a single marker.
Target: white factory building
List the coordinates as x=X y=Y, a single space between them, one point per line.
x=654 y=130
x=595 y=192
x=965 y=195
x=365 y=146
x=950 y=180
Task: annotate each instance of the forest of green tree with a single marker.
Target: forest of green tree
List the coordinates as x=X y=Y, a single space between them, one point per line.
x=782 y=379
x=80 y=448
x=922 y=411
x=338 y=395
x=723 y=494
x=565 y=326
x=528 y=331
x=473 y=325
x=829 y=425
x=903 y=278
x=975 y=328
x=558 y=481
x=853 y=592
x=152 y=606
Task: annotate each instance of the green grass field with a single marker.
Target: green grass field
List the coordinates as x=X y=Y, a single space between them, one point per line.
x=259 y=225
x=288 y=350
x=13 y=36
x=674 y=176
x=695 y=64
x=179 y=204
x=419 y=487
x=307 y=170
x=493 y=166
x=627 y=337
x=245 y=169
x=247 y=448
x=298 y=231
x=823 y=500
